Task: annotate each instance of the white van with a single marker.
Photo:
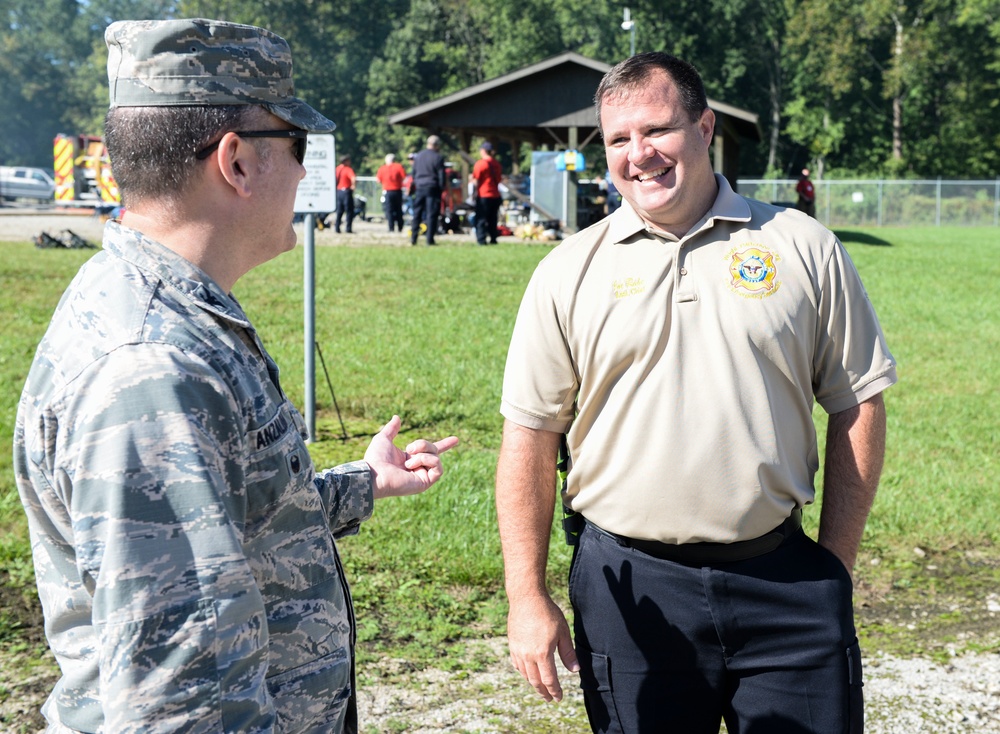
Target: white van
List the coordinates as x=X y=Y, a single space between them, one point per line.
x=18 y=182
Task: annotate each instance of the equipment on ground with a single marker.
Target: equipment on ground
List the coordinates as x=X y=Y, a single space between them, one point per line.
x=67 y=239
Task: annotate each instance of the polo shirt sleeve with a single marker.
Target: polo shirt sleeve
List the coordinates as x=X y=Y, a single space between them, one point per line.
x=540 y=379
x=852 y=362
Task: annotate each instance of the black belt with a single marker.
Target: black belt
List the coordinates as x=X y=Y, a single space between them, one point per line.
x=702 y=554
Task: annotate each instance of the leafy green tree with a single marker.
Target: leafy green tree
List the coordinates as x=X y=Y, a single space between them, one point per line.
x=42 y=42
x=415 y=67
x=978 y=95
x=442 y=47
x=904 y=27
x=88 y=97
x=951 y=126
x=831 y=72
x=863 y=87
x=591 y=28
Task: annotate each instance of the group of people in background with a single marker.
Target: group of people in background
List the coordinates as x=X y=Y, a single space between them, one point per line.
x=426 y=184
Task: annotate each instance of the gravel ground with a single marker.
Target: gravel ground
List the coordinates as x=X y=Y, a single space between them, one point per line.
x=912 y=696
x=25 y=223
x=915 y=696
x=903 y=695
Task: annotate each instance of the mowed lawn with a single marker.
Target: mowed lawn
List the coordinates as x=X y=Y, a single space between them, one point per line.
x=423 y=332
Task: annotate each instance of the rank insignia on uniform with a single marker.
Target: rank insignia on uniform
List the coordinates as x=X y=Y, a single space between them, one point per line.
x=753 y=272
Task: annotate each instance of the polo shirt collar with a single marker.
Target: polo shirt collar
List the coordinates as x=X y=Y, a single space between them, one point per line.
x=728 y=205
x=625 y=223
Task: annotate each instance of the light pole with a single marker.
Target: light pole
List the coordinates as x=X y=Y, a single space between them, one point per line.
x=629 y=25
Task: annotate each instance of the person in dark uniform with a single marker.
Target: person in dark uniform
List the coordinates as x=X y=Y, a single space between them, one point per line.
x=429 y=182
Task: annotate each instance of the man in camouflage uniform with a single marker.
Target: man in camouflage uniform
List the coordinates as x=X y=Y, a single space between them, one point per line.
x=183 y=542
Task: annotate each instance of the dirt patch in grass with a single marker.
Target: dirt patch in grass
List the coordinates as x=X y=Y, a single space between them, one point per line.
x=27 y=668
x=933 y=605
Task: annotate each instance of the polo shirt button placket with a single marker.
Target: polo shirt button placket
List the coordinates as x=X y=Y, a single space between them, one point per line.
x=684 y=295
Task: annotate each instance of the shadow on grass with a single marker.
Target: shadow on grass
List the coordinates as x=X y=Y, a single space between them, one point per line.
x=861 y=238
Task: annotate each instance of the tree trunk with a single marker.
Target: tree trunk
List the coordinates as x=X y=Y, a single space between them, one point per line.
x=772 y=153
x=897 y=99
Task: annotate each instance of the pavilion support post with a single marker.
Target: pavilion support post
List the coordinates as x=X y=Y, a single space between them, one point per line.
x=572 y=221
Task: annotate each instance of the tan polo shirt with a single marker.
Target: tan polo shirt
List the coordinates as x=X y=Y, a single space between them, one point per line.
x=685 y=371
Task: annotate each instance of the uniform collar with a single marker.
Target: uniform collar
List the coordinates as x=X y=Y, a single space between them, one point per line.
x=190 y=281
x=625 y=224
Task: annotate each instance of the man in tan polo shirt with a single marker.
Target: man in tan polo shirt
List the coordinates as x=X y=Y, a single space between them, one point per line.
x=676 y=348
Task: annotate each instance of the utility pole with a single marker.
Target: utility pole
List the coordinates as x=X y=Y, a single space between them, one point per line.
x=629 y=25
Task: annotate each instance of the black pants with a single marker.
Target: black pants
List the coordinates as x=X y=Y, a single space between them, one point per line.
x=394 y=209
x=487 y=210
x=426 y=209
x=768 y=644
x=345 y=205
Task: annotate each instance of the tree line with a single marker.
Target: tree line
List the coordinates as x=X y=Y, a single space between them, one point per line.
x=850 y=88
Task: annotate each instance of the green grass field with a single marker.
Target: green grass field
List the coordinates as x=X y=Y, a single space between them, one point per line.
x=423 y=332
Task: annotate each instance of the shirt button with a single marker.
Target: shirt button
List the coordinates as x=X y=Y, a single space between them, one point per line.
x=684 y=271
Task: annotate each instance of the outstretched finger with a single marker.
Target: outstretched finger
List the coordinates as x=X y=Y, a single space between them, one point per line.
x=423 y=446
x=446 y=443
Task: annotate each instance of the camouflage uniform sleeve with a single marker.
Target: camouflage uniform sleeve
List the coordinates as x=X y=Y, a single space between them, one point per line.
x=348 y=491
x=153 y=475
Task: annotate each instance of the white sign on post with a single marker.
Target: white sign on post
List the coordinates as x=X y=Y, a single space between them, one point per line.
x=317 y=193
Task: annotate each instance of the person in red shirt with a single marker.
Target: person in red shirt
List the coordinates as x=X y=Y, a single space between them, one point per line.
x=807 y=194
x=345 y=192
x=486 y=174
x=391 y=176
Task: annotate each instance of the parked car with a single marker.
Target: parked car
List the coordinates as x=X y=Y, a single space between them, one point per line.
x=17 y=182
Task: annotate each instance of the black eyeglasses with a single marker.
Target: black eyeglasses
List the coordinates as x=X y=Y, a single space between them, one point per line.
x=298 y=135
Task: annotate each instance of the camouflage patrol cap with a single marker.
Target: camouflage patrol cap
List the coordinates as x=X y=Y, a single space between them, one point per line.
x=167 y=63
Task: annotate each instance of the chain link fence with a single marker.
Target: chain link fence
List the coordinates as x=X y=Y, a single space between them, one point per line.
x=877 y=203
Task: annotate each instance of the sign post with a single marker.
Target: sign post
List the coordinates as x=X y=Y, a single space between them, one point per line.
x=316 y=193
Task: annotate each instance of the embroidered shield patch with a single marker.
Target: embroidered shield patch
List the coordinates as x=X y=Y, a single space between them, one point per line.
x=753 y=272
